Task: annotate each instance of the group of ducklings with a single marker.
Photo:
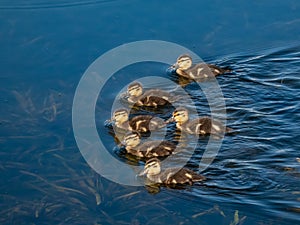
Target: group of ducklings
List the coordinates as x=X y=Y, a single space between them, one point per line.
x=151 y=151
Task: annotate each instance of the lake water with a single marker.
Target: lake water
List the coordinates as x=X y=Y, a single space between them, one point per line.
x=47 y=46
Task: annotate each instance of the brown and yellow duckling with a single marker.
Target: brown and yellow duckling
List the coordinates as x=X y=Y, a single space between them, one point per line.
x=184 y=67
x=170 y=176
x=148 y=149
x=151 y=98
x=202 y=125
x=140 y=123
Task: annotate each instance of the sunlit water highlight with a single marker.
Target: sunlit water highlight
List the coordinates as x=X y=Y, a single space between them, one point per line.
x=45 y=180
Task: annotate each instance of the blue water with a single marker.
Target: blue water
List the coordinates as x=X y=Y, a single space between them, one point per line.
x=45 y=49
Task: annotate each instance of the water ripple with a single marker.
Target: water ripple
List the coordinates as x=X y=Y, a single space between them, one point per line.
x=255 y=167
x=259 y=161
x=9 y=5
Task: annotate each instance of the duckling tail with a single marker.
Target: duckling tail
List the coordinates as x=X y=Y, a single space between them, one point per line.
x=197 y=177
x=218 y=70
x=226 y=69
x=229 y=130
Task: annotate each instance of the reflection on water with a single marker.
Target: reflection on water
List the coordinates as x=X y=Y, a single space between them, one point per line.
x=46 y=47
x=34 y=4
x=255 y=178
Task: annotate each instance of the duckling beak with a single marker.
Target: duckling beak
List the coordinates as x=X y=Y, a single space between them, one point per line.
x=109 y=122
x=126 y=95
x=122 y=144
x=174 y=66
x=171 y=120
x=142 y=173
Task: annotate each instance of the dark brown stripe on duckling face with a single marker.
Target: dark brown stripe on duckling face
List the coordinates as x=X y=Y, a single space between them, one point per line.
x=152 y=161
x=134 y=86
x=183 y=58
x=120 y=112
x=180 y=110
x=180 y=113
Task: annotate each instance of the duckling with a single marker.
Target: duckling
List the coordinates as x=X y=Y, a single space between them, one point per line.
x=170 y=176
x=151 y=98
x=202 y=125
x=149 y=149
x=140 y=123
x=185 y=68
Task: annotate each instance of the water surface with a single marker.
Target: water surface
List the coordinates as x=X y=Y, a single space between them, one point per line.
x=47 y=46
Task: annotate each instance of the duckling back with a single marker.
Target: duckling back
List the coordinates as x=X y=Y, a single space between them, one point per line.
x=145 y=123
x=184 y=67
x=205 y=125
x=203 y=70
x=153 y=98
x=218 y=70
x=183 y=176
x=152 y=149
x=175 y=176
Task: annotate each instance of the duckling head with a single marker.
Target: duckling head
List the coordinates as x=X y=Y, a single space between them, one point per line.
x=120 y=116
x=184 y=62
x=152 y=167
x=135 y=89
x=132 y=139
x=181 y=115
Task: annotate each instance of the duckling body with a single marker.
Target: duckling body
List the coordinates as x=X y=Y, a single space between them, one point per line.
x=140 y=123
x=185 y=68
x=147 y=149
x=202 y=125
x=170 y=176
x=150 y=98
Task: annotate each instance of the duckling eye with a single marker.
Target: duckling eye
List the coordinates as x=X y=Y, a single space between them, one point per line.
x=120 y=114
x=183 y=60
x=155 y=166
x=131 y=137
x=134 y=88
x=180 y=114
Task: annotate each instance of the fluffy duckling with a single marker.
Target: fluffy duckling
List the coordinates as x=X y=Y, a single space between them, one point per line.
x=141 y=123
x=185 y=68
x=202 y=125
x=149 y=149
x=170 y=176
x=151 y=98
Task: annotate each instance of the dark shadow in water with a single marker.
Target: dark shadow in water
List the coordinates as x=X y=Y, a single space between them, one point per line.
x=253 y=180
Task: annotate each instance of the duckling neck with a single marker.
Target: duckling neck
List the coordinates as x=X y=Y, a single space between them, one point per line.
x=123 y=125
x=133 y=147
x=132 y=99
x=181 y=125
x=135 y=100
x=154 y=178
x=182 y=72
